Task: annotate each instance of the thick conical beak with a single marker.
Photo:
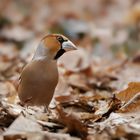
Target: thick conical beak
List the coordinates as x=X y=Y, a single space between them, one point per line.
x=68 y=46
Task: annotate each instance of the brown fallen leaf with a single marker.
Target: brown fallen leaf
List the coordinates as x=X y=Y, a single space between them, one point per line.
x=136 y=59
x=133 y=16
x=86 y=98
x=102 y=81
x=83 y=103
x=90 y=117
x=127 y=132
x=74 y=125
x=133 y=105
x=112 y=106
x=65 y=98
x=50 y=125
x=132 y=89
x=79 y=81
x=5 y=117
x=76 y=61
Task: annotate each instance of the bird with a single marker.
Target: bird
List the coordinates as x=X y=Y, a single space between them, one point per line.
x=39 y=77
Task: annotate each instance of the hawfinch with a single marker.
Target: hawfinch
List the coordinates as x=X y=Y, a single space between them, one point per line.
x=39 y=78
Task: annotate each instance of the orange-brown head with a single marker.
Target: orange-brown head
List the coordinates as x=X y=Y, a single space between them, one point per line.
x=53 y=46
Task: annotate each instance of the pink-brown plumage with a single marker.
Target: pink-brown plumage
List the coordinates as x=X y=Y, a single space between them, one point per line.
x=39 y=78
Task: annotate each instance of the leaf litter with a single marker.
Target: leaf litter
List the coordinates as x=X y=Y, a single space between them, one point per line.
x=98 y=94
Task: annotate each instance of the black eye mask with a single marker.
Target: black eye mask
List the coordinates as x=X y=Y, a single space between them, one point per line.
x=59 y=53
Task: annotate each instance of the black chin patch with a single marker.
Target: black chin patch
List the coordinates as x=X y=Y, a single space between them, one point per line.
x=59 y=53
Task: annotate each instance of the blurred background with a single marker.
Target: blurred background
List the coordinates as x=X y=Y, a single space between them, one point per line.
x=106 y=31
x=99 y=26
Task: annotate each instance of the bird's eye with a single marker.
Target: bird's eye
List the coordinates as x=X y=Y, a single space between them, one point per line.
x=60 y=39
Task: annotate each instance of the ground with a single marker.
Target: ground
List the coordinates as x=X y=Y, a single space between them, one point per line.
x=98 y=94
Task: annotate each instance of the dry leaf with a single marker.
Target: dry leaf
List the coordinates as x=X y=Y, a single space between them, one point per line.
x=65 y=98
x=128 y=93
x=75 y=61
x=22 y=124
x=8 y=90
x=79 y=81
x=5 y=117
x=112 y=106
x=90 y=116
x=133 y=105
x=136 y=59
x=72 y=123
x=17 y=33
x=127 y=131
x=133 y=16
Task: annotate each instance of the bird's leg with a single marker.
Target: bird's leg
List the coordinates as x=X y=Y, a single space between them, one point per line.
x=45 y=109
x=25 y=107
x=24 y=111
x=49 y=111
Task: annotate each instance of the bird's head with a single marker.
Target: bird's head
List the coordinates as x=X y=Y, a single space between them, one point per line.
x=53 y=46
